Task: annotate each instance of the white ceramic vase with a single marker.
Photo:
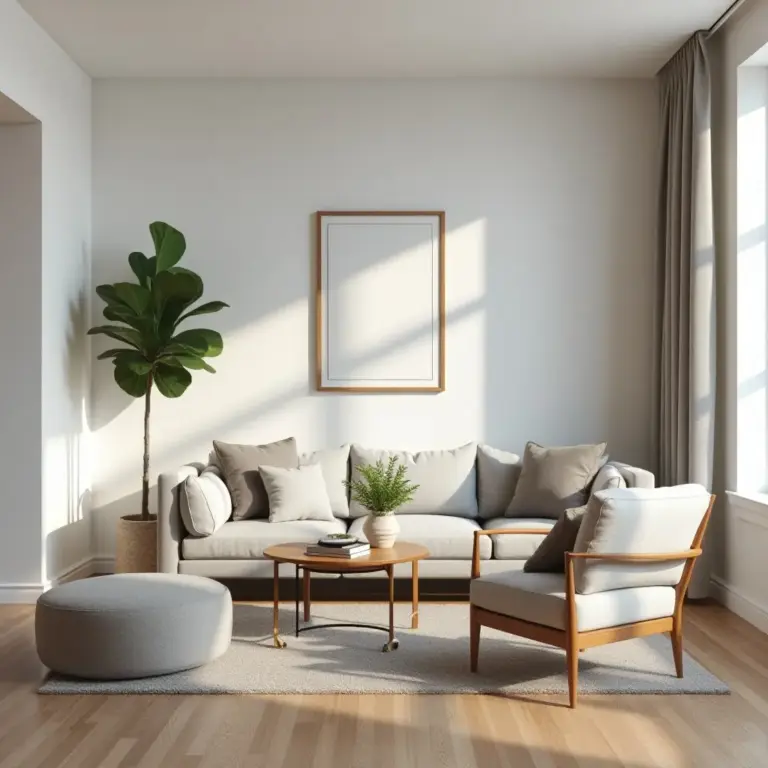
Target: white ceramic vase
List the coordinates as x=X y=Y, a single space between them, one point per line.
x=381 y=530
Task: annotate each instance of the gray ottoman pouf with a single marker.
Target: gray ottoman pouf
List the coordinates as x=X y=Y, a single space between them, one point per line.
x=133 y=625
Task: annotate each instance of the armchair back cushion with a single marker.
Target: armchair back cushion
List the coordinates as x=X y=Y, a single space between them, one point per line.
x=637 y=521
x=446 y=480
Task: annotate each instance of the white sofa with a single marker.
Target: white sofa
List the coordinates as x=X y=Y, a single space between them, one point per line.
x=460 y=492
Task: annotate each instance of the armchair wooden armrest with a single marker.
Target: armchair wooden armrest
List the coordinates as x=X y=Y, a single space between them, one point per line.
x=627 y=559
x=494 y=532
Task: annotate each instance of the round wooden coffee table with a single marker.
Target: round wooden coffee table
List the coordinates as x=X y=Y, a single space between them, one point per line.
x=376 y=560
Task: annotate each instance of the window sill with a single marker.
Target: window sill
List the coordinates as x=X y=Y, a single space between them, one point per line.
x=754 y=501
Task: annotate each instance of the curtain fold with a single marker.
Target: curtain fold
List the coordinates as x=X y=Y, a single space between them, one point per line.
x=684 y=371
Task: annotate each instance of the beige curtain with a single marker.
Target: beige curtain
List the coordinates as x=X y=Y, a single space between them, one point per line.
x=685 y=305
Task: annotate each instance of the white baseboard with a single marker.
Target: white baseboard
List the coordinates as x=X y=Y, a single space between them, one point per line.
x=733 y=600
x=17 y=594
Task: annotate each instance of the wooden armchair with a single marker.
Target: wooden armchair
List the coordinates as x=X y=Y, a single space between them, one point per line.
x=603 y=596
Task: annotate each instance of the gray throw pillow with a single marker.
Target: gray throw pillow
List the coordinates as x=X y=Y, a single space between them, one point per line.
x=240 y=466
x=296 y=494
x=555 y=479
x=549 y=556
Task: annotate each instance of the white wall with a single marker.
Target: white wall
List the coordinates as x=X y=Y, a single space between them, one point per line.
x=739 y=535
x=548 y=188
x=37 y=75
x=21 y=331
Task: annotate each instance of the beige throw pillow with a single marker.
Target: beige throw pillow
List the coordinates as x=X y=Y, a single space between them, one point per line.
x=549 y=556
x=240 y=466
x=296 y=494
x=555 y=479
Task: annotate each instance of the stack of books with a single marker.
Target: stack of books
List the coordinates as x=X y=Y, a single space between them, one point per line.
x=344 y=549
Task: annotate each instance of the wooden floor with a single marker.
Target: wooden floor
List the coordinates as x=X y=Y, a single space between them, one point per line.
x=399 y=731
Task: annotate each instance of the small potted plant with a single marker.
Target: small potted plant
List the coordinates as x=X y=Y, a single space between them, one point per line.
x=382 y=490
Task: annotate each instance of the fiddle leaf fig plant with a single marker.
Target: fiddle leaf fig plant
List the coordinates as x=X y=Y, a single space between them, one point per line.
x=145 y=317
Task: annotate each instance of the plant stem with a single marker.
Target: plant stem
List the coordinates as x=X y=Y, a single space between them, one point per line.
x=145 y=473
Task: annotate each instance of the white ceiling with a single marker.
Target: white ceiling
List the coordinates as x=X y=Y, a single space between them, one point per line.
x=372 y=38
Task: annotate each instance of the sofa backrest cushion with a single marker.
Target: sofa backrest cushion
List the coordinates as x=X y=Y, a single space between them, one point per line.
x=205 y=503
x=334 y=462
x=240 y=466
x=637 y=521
x=446 y=479
x=497 y=475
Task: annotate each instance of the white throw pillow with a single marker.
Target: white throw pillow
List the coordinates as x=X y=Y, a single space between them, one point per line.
x=607 y=479
x=334 y=462
x=205 y=503
x=296 y=494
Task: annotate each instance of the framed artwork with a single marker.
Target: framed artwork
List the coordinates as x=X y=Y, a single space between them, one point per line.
x=380 y=301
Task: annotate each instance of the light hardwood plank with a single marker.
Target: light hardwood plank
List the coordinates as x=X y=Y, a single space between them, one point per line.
x=406 y=731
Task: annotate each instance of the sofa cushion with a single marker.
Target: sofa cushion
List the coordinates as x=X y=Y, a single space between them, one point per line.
x=517 y=546
x=446 y=480
x=296 y=494
x=540 y=598
x=245 y=539
x=335 y=465
x=555 y=479
x=240 y=465
x=638 y=521
x=446 y=537
x=205 y=503
x=497 y=475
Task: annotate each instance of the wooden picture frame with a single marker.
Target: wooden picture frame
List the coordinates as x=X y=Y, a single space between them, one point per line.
x=380 y=301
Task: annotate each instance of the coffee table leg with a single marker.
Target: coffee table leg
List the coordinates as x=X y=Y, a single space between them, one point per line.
x=415 y=595
x=296 y=587
x=307 y=597
x=393 y=643
x=276 y=609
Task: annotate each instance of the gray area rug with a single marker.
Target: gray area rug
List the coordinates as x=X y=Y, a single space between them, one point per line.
x=432 y=659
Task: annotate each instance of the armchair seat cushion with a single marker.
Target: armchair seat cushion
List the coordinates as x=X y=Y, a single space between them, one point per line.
x=517 y=546
x=247 y=539
x=446 y=537
x=540 y=598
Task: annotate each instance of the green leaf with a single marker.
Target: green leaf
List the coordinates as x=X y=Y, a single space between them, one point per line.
x=133 y=296
x=180 y=286
x=107 y=294
x=134 y=361
x=120 y=314
x=140 y=266
x=169 y=245
x=109 y=353
x=193 y=362
x=204 y=342
x=129 y=381
x=204 y=309
x=127 y=335
x=172 y=380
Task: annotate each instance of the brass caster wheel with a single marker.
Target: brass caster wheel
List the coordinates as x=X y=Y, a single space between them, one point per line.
x=279 y=643
x=393 y=645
